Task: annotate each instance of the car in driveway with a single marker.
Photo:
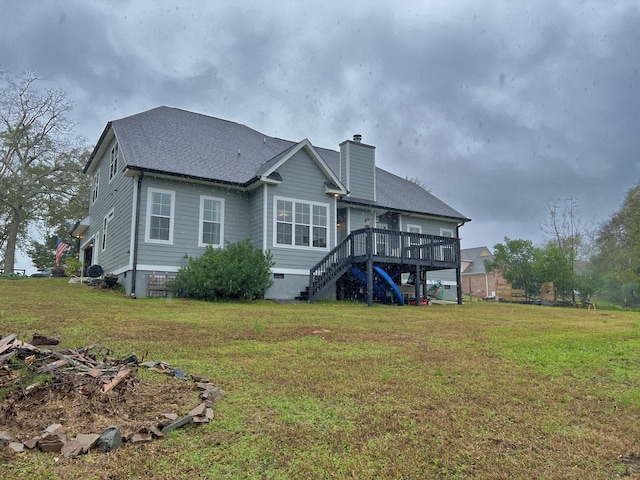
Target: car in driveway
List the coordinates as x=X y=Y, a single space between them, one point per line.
x=45 y=272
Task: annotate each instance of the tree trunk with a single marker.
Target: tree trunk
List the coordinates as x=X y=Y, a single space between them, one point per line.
x=12 y=240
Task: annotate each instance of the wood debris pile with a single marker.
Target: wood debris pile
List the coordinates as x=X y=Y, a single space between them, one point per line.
x=27 y=368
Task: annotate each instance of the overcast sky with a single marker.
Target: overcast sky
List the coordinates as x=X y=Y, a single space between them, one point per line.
x=498 y=107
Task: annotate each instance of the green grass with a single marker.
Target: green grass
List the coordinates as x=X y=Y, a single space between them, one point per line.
x=481 y=390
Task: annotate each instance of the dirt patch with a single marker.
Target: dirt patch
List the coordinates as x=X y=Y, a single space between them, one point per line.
x=79 y=404
x=87 y=393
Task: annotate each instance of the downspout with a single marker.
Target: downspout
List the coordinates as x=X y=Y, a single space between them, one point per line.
x=134 y=267
x=369 y=267
x=458 y=261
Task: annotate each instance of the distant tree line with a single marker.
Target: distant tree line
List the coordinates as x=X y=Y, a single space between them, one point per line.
x=582 y=261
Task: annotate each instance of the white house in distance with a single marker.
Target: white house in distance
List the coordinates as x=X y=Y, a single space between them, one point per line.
x=167 y=182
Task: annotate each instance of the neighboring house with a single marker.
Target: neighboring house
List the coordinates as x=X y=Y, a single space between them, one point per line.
x=476 y=281
x=168 y=182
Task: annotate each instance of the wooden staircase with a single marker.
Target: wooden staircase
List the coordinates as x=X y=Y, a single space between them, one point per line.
x=370 y=245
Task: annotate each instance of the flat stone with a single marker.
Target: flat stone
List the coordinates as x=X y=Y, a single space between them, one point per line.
x=5 y=438
x=177 y=424
x=156 y=432
x=148 y=364
x=54 y=427
x=212 y=393
x=141 y=437
x=179 y=373
x=44 y=340
x=131 y=359
x=206 y=417
x=204 y=385
x=198 y=411
x=170 y=416
x=51 y=442
x=196 y=377
x=17 y=447
x=32 y=443
x=110 y=439
x=72 y=449
x=87 y=440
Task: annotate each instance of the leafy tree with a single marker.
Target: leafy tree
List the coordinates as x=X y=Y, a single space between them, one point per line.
x=553 y=265
x=59 y=218
x=617 y=261
x=236 y=272
x=40 y=163
x=43 y=254
x=515 y=260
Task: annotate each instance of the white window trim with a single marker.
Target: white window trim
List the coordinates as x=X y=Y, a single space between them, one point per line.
x=91 y=241
x=147 y=232
x=293 y=233
x=105 y=228
x=113 y=169
x=95 y=188
x=412 y=241
x=201 y=221
x=443 y=232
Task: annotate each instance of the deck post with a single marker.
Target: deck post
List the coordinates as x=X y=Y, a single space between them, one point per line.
x=458 y=270
x=369 y=267
x=416 y=285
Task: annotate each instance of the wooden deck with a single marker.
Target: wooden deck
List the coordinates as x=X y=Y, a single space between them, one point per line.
x=402 y=251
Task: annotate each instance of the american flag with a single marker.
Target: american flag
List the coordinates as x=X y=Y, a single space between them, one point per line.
x=60 y=248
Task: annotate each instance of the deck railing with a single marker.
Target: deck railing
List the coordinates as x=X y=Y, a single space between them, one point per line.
x=388 y=246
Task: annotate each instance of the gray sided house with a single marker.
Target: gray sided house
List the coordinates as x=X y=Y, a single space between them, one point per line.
x=167 y=182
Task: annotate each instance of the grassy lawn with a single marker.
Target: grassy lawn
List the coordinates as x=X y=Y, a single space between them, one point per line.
x=480 y=390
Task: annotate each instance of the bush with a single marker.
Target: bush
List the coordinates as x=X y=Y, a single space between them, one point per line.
x=237 y=272
x=12 y=276
x=72 y=266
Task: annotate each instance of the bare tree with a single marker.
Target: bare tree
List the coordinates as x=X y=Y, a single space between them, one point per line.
x=39 y=159
x=567 y=232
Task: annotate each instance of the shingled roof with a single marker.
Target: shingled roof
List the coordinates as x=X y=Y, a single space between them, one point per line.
x=187 y=144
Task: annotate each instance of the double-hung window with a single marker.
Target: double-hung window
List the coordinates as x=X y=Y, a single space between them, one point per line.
x=414 y=240
x=105 y=228
x=301 y=224
x=96 y=185
x=113 y=163
x=160 y=216
x=447 y=249
x=211 y=230
x=319 y=226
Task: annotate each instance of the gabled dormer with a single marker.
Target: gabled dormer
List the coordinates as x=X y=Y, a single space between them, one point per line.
x=358 y=168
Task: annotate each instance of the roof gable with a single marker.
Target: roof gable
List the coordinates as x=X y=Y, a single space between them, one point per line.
x=271 y=166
